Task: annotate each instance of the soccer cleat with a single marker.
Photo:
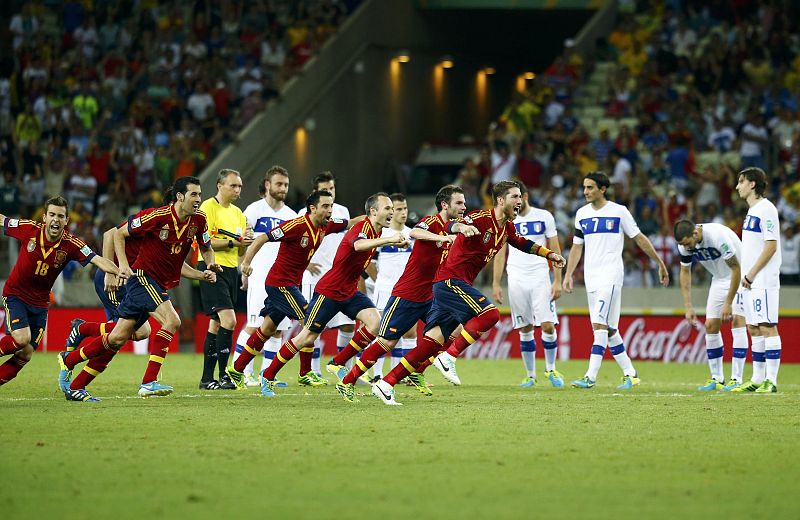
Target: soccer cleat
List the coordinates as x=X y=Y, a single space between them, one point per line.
x=556 y=378
x=767 y=387
x=364 y=379
x=446 y=364
x=64 y=373
x=418 y=382
x=711 y=386
x=528 y=382
x=80 y=395
x=236 y=377
x=252 y=380
x=337 y=370
x=375 y=379
x=384 y=391
x=209 y=385
x=629 y=382
x=747 y=387
x=584 y=382
x=225 y=383
x=348 y=391
x=311 y=379
x=267 y=387
x=154 y=388
x=732 y=383
x=74 y=339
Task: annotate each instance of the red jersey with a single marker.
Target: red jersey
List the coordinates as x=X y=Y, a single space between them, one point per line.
x=40 y=261
x=341 y=282
x=299 y=240
x=416 y=282
x=165 y=241
x=132 y=244
x=469 y=255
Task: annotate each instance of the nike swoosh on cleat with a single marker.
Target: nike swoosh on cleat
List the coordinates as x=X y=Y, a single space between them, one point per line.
x=387 y=397
x=444 y=367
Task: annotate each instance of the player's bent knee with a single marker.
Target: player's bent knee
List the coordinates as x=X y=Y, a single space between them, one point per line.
x=712 y=326
x=25 y=354
x=21 y=336
x=547 y=328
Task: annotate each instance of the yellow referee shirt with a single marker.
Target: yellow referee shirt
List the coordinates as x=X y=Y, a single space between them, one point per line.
x=230 y=219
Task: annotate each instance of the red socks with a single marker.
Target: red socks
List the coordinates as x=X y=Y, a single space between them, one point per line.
x=306 y=353
x=370 y=356
x=473 y=330
x=287 y=352
x=9 y=346
x=159 y=347
x=361 y=340
x=91 y=330
x=426 y=347
x=96 y=347
x=254 y=345
x=11 y=368
x=94 y=368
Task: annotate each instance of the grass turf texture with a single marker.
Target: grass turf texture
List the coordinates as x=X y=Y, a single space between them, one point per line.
x=485 y=450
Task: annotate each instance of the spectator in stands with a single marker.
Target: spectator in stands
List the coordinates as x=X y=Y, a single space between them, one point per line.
x=82 y=188
x=602 y=146
x=754 y=139
x=10 y=195
x=790 y=255
x=721 y=137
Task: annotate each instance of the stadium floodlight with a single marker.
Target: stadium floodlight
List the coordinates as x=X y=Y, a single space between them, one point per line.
x=489 y=71
x=402 y=56
x=446 y=62
x=529 y=75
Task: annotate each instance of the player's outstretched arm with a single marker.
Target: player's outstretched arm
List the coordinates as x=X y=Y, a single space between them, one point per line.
x=208 y=258
x=106 y=265
x=254 y=248
x=110 y=282
x=685 y=279
x=425 y=235
x=497 y=273
x=465 y=229
x=555 y=245
x=190 y=273
x=366 y=244
x=770 y=247
x=355 y=220
x=645 y=245
x=574 y=259
x=119 y=249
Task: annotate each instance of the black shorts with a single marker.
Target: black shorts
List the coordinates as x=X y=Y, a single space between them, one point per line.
x=221 y=295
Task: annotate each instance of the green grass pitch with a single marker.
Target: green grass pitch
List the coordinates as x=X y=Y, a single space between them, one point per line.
x=484 y=450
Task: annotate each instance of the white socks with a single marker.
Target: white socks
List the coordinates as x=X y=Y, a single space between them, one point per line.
x=772 y=346
x=714 y=351
x=739 y=353
x=598 y=349
x=759 y=364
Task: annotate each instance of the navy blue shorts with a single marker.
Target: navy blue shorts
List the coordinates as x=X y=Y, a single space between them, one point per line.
x=283 y=302
x=454 y=302
x=400 y=315
x=322 y=309
x=110 y=301
x=20 y=315
x=143 y=296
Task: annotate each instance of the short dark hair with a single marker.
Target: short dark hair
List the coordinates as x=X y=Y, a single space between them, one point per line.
x=56 y=201
x=272 y=172
x=322 y=177
x=397 y=197
x=372 y=200
x=599 y=178
x=502 y=188
x=180 y=186
x=445 y=194
x=683 y=229
x=758 y=176
x=313 y=198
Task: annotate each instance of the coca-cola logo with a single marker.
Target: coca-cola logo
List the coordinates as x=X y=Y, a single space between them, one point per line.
x=682 y=344
x=496 y=346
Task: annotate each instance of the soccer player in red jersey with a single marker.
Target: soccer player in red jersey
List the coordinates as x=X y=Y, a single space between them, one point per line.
x=412 y=295
x=299 y=239
x=337 y=290
x=48 y=248
x=455 y=300
x=166 y=236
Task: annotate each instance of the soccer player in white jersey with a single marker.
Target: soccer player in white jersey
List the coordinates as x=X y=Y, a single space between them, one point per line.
x=761 y=263
x=391 y=262
x=531 y=294
x=264 y=214
x=601 y=224
x=719 y=251
x=321 y=263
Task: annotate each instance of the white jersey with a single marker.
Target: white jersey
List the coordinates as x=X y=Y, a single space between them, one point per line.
x=761 y=225
x=537 y=225
x=719 y=245
x=391 y=261
x=602 y=230
x=262 y=218
x=327 y=250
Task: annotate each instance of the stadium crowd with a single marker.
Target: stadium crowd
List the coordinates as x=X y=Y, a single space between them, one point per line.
x=112 y=101
x=712 y=87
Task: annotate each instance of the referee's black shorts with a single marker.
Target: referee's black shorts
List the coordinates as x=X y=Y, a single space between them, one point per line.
x=221 y=295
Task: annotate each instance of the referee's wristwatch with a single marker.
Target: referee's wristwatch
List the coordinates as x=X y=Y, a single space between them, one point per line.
x=230 y=244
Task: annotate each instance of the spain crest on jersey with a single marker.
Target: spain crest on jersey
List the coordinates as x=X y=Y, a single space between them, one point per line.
x=304 y=241
x=61 y=257
x=487 y=236
x=192 y=232
x=31 y=245
x=164 y=233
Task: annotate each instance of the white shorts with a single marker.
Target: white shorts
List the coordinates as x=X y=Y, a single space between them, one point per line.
x=716 y=299
x=256 y=294
x=338 y=320
x=381 y=297
x=531 y=302
x=605 y=304
x=761 y=305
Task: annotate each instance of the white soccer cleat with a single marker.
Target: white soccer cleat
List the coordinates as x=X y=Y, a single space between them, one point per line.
x=446 y=364
x=385 y=392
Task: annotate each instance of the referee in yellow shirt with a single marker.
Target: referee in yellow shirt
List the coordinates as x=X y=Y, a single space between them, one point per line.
x=229 y=238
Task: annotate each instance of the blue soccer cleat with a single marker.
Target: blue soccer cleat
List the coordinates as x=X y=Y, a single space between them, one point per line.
x=732 y=383
x=340 y=371
x=629 y=382
x=154 y=389
x=74 y=339
x=528 y=382
x=583 y=382
x=267 y=387
x=64 y=373
x=80 y=395
x=712 y=385
x=556 y=378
